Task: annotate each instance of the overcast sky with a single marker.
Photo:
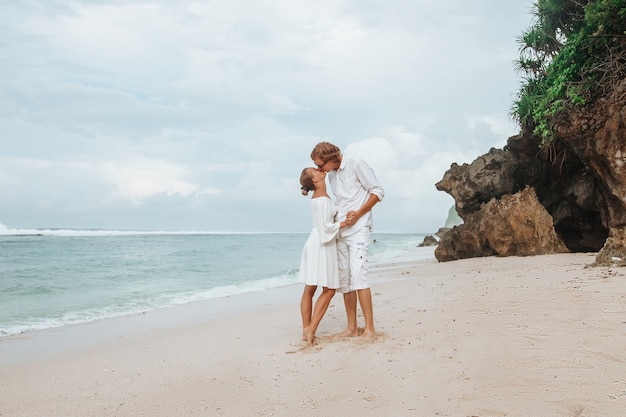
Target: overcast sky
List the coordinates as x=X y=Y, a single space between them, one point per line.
x=200 y=115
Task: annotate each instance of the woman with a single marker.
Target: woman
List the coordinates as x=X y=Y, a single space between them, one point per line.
x=318 y=265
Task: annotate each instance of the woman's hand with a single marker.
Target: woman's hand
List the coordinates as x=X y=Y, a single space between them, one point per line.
x=351 y=217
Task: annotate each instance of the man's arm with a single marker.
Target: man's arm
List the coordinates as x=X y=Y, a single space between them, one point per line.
x=370 y=182
x=353 y=216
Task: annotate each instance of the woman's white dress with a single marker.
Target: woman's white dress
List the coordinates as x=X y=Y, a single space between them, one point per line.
x=318 y=265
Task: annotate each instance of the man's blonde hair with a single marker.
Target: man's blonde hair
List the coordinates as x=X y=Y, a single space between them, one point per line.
x=326 y=151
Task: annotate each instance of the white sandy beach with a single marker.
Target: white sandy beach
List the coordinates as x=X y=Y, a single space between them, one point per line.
x=536 y=336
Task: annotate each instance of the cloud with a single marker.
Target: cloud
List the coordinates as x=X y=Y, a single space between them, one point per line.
x=140 y=179
x=201 y=114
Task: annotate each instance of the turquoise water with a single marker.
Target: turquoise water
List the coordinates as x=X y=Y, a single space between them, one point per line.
x=52 y=278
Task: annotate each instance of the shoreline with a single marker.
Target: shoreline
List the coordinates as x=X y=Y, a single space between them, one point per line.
x=24 y=316
x=540 y=336
x=41 y=344
x=220 y=305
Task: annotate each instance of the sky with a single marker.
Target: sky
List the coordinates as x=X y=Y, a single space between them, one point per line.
x=200 y=115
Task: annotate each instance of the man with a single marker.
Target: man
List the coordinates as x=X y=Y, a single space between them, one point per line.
x=356 y=191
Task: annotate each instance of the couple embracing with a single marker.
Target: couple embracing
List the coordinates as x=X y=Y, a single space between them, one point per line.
x=335 y=254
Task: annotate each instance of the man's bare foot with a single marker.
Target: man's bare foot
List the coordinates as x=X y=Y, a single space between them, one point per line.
x=368 y=334
x=349 y=333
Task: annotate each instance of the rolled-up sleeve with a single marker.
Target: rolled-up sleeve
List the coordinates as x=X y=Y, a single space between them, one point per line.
x=368 y=179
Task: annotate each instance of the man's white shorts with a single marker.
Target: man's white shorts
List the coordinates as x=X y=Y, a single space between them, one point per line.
x=352 y=258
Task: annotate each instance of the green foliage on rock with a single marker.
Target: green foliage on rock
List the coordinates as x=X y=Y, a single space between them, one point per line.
x=574 y=52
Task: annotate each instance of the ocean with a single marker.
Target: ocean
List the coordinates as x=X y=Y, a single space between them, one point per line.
x=53 y=278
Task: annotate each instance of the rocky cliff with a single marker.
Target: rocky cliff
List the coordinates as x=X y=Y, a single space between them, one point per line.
x=579 y=180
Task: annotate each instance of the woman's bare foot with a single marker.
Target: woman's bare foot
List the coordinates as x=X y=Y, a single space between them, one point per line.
x=309 y=337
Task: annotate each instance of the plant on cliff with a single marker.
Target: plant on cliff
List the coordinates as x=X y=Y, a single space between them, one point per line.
x=574 y=52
